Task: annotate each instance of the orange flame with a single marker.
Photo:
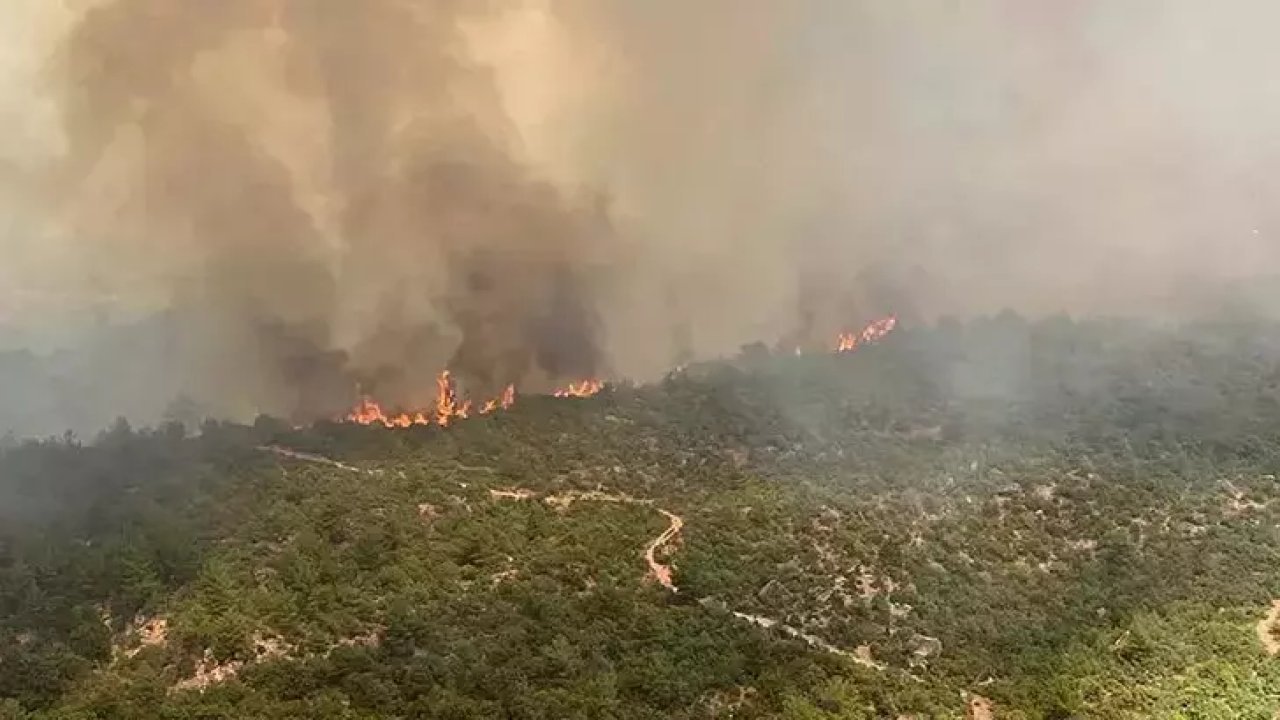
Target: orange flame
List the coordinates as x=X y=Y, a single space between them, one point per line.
x=506 y=400
x=368 y=412
x=850 y=341
x=586 y=388
x=448 y=408
x=446 y=399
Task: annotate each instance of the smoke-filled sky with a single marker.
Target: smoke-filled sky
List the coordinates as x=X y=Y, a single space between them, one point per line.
x=260 y=204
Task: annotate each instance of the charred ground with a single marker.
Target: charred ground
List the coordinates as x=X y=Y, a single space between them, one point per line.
x=1065 y=518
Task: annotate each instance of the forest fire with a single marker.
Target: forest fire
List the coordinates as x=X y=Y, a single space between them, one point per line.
x=368 y=412
x=449 y=407
x=502 y=403
x=850 y=341
x=586 y=388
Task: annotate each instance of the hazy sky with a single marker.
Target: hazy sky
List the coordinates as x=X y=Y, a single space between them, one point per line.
x=549 y=185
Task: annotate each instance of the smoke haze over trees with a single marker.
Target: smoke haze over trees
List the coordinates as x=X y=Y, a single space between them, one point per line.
x=261 y=205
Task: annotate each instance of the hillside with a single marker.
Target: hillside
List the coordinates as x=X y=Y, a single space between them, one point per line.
x=1000 y=518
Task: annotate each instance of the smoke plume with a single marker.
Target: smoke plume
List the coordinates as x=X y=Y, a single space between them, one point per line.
x=266 y=205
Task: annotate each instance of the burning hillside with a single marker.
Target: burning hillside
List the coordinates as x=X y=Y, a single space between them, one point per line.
x=255 y=205
x=448 y=408
x=451 y=405
x=850 y=341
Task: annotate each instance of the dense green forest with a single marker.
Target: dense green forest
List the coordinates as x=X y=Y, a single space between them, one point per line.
x=1050 y=519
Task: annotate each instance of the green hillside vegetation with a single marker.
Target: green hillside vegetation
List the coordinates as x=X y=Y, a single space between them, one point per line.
x=1070 y=519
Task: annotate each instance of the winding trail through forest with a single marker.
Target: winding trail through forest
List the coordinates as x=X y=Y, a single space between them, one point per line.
x=978 y=709
x=664 y=575
x=862 y=655
x=661 y=572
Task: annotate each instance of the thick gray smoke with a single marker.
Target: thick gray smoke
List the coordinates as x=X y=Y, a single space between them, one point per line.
x=318 y=195
x=284 y=199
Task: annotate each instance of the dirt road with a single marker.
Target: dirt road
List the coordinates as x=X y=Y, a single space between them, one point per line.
x=660 y=572
x=308 y=457
x=862 y=657
x=663 y=572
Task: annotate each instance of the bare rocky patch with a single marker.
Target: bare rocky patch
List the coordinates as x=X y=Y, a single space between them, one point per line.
x=210 y=672
x=979 y=708
x=512 y=494
x=150 y=632
x=1269 y=630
